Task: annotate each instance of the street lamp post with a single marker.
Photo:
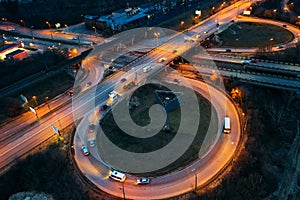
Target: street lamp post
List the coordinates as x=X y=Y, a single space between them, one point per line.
x=49 y=25
x=123 y=190
x=271 y=40
x=31 y=27
x=182 y=25
x=95 y=29
x=35 y=101
x=195 y=174
x=156 y=34
x=46 y=99
x=136 y=75
x=23 y=22
x=34 y=111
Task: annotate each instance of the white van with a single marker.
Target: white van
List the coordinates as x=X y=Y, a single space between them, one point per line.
x=118 y=176
x=147 y=68
x=226 y=125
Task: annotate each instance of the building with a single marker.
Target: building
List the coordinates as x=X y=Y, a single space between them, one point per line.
x=7 y=49
x=18 y=54
x=119 y=20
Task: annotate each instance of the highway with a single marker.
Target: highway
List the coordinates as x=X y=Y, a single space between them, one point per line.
x=85 y=102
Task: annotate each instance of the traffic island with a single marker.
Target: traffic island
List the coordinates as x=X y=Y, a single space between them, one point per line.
x=140 y=103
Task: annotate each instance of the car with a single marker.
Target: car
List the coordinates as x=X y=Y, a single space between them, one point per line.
x=232 y=20
x=217 y=24
x=284 y=25
x=75 y=38
x=253 y=60
x=92 y=143
x=205 y=32
x=123 y=80
x=174 y=51
x=228 y=50
x=113 y=95
x=161 y=60
x=118 y=176
x=279 y=47
x=245 y=62
x=103 y=108
x=16 y=38
x=91 y=128
x=11 y=29
x=88 y=84
x=71 y=92
x=176 y=80
x=141 y=181
x=85 y=150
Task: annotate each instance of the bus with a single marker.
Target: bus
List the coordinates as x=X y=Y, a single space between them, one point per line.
x=226 y=125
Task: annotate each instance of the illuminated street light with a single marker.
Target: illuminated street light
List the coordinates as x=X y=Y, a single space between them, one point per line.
x=46 y=99
x=271 y=40
x=49 y=25
x=182 y=24
x=34 y=99
x=34 y=111
x=23 y=22
x=95 y=29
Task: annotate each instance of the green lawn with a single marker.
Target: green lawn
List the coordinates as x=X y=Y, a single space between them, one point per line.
x=140 y=117
x=250 y=34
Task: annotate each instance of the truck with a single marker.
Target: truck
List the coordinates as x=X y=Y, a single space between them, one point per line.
x=226 y=128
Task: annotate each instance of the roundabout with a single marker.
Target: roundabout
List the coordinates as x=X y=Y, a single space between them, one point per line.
x=217 y=155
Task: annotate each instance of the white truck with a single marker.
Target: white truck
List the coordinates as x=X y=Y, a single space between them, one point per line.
x=226 y=125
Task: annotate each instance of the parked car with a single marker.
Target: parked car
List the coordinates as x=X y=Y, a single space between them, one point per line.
x=141 y=181
x=85 y=150
x=228 y=50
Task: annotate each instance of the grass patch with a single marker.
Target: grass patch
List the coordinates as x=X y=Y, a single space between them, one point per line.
x=52 y=85
x=140 y=116
x=250 y=34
